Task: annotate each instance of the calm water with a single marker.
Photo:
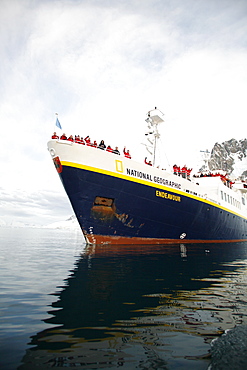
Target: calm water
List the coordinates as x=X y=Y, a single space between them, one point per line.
x=63 y=304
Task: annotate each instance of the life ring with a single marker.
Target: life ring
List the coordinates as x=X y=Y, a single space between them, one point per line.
x=52 y=152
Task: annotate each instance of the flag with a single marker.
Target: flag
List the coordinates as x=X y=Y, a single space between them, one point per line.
x=58 y=124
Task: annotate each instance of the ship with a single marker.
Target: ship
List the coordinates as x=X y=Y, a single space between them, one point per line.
x=118 y=200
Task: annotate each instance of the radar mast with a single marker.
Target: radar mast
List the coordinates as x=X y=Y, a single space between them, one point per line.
x=152 y=134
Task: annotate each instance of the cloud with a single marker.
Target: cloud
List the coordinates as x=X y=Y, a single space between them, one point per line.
x=33 y=208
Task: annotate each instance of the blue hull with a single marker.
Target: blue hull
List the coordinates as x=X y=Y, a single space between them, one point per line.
x=112 y=209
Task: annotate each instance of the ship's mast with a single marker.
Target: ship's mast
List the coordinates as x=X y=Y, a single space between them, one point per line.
x=153 y=120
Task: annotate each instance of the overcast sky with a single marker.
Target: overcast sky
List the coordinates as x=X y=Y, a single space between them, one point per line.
x=101 y=65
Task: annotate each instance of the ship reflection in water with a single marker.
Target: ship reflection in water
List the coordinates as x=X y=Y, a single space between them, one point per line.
x=149 y=307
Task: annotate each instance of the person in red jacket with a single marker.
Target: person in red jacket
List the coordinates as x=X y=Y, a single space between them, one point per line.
x=71 y=138
x=184 y=171
x=109 y=149
x=188 y=172
x=54 y=136
x=88 y=141
x=148 y=163
x=126 y=153
x=63 y=137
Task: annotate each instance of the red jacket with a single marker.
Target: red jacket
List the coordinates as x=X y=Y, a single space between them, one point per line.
x=127 y=154
x=88 y=142
x=188 y=171
x=146 y=162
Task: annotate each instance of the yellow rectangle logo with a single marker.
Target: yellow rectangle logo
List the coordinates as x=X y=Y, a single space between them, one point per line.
x=119 y=166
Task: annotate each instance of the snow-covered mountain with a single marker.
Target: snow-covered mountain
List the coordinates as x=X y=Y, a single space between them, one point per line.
x=230 y=156
x=70 y=223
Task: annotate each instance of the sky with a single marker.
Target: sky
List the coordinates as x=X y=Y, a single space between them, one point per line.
x=102 y=65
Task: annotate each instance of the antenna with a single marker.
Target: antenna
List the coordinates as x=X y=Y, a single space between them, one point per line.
x=205 y=158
